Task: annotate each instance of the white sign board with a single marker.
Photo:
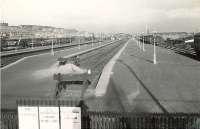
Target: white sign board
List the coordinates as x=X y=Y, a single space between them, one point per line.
x=28 y=117
x=49 y=117
x=70 y=117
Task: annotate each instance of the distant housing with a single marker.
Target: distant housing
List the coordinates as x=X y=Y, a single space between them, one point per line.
x=3 y=24
x=34 y=31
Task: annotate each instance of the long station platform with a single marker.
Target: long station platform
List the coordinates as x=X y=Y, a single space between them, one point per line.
x=172 y=85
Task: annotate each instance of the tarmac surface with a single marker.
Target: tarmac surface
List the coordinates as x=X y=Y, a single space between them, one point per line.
x=171 y=85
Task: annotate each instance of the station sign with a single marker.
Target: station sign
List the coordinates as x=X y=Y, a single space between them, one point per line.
x=49 y=117
x=28 y=117
x=70 y=117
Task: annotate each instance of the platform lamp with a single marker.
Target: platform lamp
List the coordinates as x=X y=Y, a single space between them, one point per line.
x=140 y=46
x=32 y=39
x=52 y=51
x=137 y=37
x=32 y=44
x=143 y=43
x=16 y=48
x=79 y=45
x=101 y=38
x=59 y=40
x=154 y=47
x=92 y=39
x=70 y=38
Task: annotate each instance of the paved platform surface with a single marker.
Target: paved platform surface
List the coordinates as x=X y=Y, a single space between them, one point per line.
x=172 y=85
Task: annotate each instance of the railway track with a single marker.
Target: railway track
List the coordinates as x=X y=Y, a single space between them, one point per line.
x=182 y=50
x=7 y=59
x=95 y=60
x=25 y=81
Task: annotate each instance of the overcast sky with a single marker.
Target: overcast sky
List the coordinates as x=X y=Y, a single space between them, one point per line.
x=105 y=15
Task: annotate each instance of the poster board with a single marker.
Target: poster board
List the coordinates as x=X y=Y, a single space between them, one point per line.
x=70 y=117
x=28 y=117
x=49 y=118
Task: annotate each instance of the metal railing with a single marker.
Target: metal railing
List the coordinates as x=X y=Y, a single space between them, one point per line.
x=9 y=120
x=114 y=120
x=110 y=120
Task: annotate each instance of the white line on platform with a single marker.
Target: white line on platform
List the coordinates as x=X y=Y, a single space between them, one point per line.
x=106 y=73
x=18 y=61
x=11 y=64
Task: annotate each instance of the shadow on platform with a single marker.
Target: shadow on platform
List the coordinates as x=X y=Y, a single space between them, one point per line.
x=144 y=86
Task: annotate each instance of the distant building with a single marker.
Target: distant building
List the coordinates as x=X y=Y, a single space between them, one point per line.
x=34 y=31
x=3 y=24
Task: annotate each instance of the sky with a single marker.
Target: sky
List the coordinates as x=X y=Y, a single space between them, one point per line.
x=128 y=16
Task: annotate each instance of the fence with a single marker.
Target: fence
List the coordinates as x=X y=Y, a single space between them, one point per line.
x=110 y=120
x=113 y=120
x=9 y=120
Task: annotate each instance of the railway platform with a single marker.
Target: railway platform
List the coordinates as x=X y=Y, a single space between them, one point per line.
x=170 y=86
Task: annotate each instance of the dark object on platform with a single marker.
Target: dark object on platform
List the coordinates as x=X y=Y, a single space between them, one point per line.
x=197 y=44
x=74 y=60
x=71 y=77
x=63 y=81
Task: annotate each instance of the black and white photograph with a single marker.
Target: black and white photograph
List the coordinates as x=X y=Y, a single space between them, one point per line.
x=100 y=64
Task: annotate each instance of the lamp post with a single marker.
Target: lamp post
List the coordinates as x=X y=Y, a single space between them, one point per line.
x=154 y=49
x=16 y=48
x=143 y=43
x=52 y=51
x=92 y=39
x=70 y=38
x=140 y=46
x=79 y=45
x=101 y=35
x=32 y=37
x=59 y=42
x=138 y=40
x=32 y=43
